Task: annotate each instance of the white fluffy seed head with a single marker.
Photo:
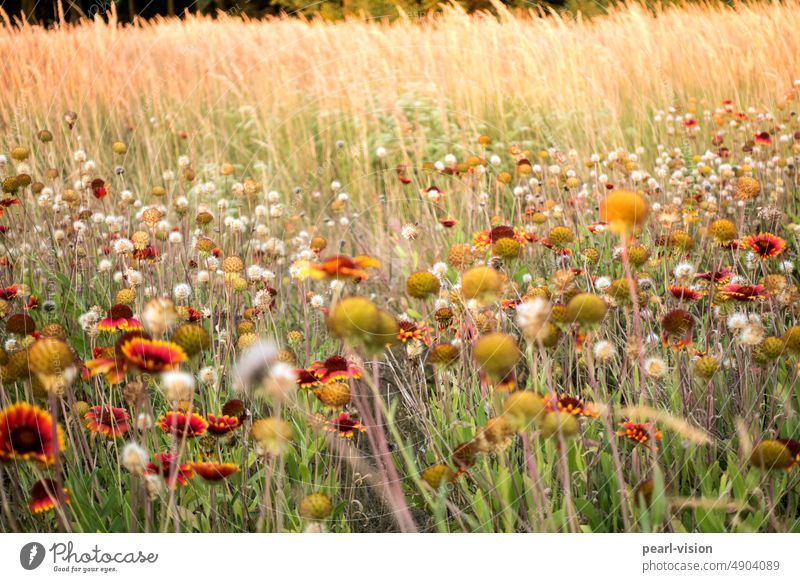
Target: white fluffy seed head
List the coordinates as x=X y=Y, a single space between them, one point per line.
x=134 y=458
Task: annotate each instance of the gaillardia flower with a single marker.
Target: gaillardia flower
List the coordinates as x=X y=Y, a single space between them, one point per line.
x=45 y=496
x=677 y=327
x=119 y=318
x=271 y=435
x=410 y=330
x=334 y=394
x=793 y=446
x=152 y=355
x=481 y=283
x=685 y=293
x=342 y=267
x=345 y=426
x=110 y=361
x=181 y=424
x=587 y=309
x=747 y=188
x=107 y=420
x=26 y=434
x=335 y=369
x=214 y=472
x=443 y=354
x=52 y=361
x=764 y=244
x=719 y=277
x=557 y=424
x=569 y=405
x=522 y=408
x=306 y=379
x=743 y=292
x=638 y=432
x=222 y=424
x=167 y=466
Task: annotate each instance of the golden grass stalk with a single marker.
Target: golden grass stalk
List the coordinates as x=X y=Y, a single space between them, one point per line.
x=583 y=81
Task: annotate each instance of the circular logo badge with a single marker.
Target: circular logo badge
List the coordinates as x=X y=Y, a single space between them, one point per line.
x=31 y=555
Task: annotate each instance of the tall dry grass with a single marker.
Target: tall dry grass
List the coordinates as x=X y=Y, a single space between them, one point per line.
x=561 y=80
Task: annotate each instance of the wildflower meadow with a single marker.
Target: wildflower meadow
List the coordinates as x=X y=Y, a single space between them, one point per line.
x=493 y=272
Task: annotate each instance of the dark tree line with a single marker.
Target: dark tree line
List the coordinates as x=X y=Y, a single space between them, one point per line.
x=47 y=11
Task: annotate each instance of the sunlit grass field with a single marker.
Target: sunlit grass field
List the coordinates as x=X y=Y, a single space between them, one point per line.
x=479 y=273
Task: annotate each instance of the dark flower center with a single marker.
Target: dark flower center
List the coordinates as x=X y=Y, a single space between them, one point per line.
x=25 y=440
x=336 y=364
x=120 y=312
x=345 y=424
x=499 y=232
x=764 y=247
x=306 y=377
x=107 y=417
x=45 y=488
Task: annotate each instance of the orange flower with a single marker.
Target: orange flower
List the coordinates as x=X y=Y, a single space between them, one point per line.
x=410 y=330
x=638 y=432
x=26 y=434
x=214 y=472
x=9 y=293
x=762 y=138
x=167 y=465
x=180 y=424
x=743 y=292
x=7 y=202
x=570 y=405
x=335 y=369
x=345 y=426
x=343 y=267
x=481 y=240
x=764 y=244
x=114 y=369
x=152 y=355
x=111 y=422
x=45 y=496
x=684 y=293
x=119 y=318
x=307 y=378
x=222 y=424
x=720 y=277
